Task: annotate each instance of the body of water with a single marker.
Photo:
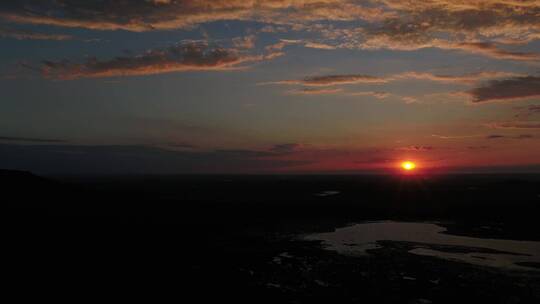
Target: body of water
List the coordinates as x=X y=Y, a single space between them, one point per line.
x=429 y=239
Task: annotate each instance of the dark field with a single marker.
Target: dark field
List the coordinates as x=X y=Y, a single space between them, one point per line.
x=216 y=238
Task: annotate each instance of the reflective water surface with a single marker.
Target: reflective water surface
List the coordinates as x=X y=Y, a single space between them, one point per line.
x=429 y=239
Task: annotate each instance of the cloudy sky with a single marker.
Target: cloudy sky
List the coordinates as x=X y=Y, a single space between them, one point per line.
x=240 y=86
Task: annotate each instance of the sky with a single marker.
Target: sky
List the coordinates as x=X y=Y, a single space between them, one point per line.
x=275 y=86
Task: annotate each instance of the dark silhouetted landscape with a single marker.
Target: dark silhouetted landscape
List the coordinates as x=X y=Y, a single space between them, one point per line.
x=245 y=238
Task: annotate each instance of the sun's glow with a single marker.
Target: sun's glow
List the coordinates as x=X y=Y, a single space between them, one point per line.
x=408 y=165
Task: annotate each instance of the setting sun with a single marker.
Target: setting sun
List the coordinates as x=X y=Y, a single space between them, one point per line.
x=408 y=165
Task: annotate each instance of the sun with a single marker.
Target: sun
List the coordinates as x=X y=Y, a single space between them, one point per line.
x=408 y=165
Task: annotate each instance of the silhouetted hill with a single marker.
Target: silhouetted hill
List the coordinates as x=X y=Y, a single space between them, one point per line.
x=14 y=177
x=22 y=188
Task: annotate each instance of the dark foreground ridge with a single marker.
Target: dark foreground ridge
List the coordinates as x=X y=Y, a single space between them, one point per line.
x=236 y=237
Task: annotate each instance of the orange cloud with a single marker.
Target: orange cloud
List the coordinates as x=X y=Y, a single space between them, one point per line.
x=491 y=50
x=315 y=91
x=180 y=58
x=479 y=27
x=515 y=125
x=415 y=41
x=527 y=111
x=483 y=27
x=330 y=80
x=333 y=80
x=321 y=46
x=378 y=95
x=247 y=42
x=465 y=78
x=151 y=15
x=417 y=148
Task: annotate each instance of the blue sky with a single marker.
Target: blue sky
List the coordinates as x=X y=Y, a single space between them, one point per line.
x=344 y=85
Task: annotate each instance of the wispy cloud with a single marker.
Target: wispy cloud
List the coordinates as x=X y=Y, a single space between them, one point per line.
x=324 y=91
x=330 y=80
x=151 y=15
x=19 y=34
x=246 y=42
x=318 y=45
x=527 y=111
x=492 y=50
x=409 y=99
x=378 y=95
x=330 y=84
x=193 y=56
x=498 y=136
x=417 y=148
x=346 y=79
x=286 y=148
x=278 y=46
x=455 y=136
x=468 y=78
x=515 y=125
x=507 y=89
x=484 y=27
x=478 y=27
x=407 y=43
